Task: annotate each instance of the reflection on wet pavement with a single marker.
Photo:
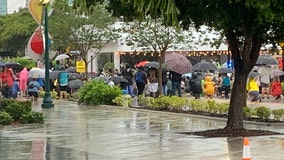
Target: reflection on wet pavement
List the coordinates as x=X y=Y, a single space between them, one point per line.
x=88 y=133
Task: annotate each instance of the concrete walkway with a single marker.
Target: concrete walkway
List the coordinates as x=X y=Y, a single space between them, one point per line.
x=77 y=132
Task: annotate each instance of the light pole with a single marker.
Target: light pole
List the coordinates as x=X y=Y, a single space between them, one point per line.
x=47 y=100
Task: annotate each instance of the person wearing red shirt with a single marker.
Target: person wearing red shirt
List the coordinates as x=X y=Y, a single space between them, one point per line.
x=7 y=77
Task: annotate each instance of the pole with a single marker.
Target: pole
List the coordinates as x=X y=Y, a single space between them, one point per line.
x=92 y=66
x=47 y=100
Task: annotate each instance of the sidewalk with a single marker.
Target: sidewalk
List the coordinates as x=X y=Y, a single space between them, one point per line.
x=77 y=132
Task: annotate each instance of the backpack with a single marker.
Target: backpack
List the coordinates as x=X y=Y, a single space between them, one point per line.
x=138 y=77
x=31 y=86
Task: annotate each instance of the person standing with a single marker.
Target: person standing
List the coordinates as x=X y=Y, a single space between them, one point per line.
x=209 y=87
x=141 y=80
x=7 y=77
x=128 y=75
x=195 y=85
x=265 y=75
x=165 y=81
x=153 y=82
x=176 y=82
x=23 y=80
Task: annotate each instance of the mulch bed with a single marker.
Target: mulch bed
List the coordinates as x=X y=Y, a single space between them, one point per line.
x=232 y=133
x=228 y=132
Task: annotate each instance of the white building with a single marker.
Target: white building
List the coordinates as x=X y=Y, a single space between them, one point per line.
x=115 y=51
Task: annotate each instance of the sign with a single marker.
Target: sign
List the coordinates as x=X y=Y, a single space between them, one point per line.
x=80 y=66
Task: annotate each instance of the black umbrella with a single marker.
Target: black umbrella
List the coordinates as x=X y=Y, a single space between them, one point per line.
x=203 y=66
x=118 y=79
x=225 y=70
x=152 y=64
x=75 y=84
x=14 y=65
x=266 y=60
x=253 y=74
x=73 y=76
x=54 y=74
x=71 y=69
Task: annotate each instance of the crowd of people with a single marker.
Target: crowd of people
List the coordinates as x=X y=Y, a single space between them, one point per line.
x=15 y=84
x=144 y=80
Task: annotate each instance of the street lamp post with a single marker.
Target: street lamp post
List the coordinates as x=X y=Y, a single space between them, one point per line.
x=47 y=100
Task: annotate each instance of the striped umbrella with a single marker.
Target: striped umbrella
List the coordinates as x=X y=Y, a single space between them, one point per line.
x=178 y=63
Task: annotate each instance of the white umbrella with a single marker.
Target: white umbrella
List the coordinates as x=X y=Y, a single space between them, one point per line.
x=37 y=73
x=62 y=56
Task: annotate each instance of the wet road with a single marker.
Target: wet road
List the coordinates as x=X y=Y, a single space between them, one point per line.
x=73 y=132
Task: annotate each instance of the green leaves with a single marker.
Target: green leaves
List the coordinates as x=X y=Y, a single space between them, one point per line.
x=97 y=92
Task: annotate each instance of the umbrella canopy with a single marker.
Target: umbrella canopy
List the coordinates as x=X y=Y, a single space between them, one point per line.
x=14 y=65
x=73 y=76
x=71 y=69
x=277 y=72
x=54 y=74
x=225 y=70
x=62 y=56
x=178 y=63
x=253 y=74
x=36 y=73
x=141 y=64
x=152 y=64
x=75 y=84
x=266 y=60
x=118 y=79
x=204 y=66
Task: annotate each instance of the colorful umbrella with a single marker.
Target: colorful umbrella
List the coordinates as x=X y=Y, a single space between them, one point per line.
x=141 y=64
x=178 y=63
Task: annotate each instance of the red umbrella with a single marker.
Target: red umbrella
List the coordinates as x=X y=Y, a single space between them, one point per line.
x=178 y=63
x=141 y=64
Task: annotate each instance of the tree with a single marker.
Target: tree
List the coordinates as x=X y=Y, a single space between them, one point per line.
x=246 y=24
x=83 y=31
x=152 y=35
x=15 y=31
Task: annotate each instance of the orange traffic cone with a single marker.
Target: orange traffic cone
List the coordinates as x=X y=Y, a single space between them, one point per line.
x=246 y=150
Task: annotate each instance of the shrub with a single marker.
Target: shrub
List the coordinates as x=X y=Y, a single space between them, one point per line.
x=277 y=113
x=222 y=108
x=16 y=110
x=262 y=112
x=143 y=100
x=197 y=104
x=118 y=101
x=108 y=65
x=248 y=112
x=177 y=103
x=5 y=102
x=33 y=117
x=5 y=118
x=97 y=92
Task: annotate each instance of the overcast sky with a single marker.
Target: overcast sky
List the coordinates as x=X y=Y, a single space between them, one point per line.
x=14 y=5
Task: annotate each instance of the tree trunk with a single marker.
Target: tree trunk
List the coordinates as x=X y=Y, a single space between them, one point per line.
x=161 y=61
x=237 y=102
